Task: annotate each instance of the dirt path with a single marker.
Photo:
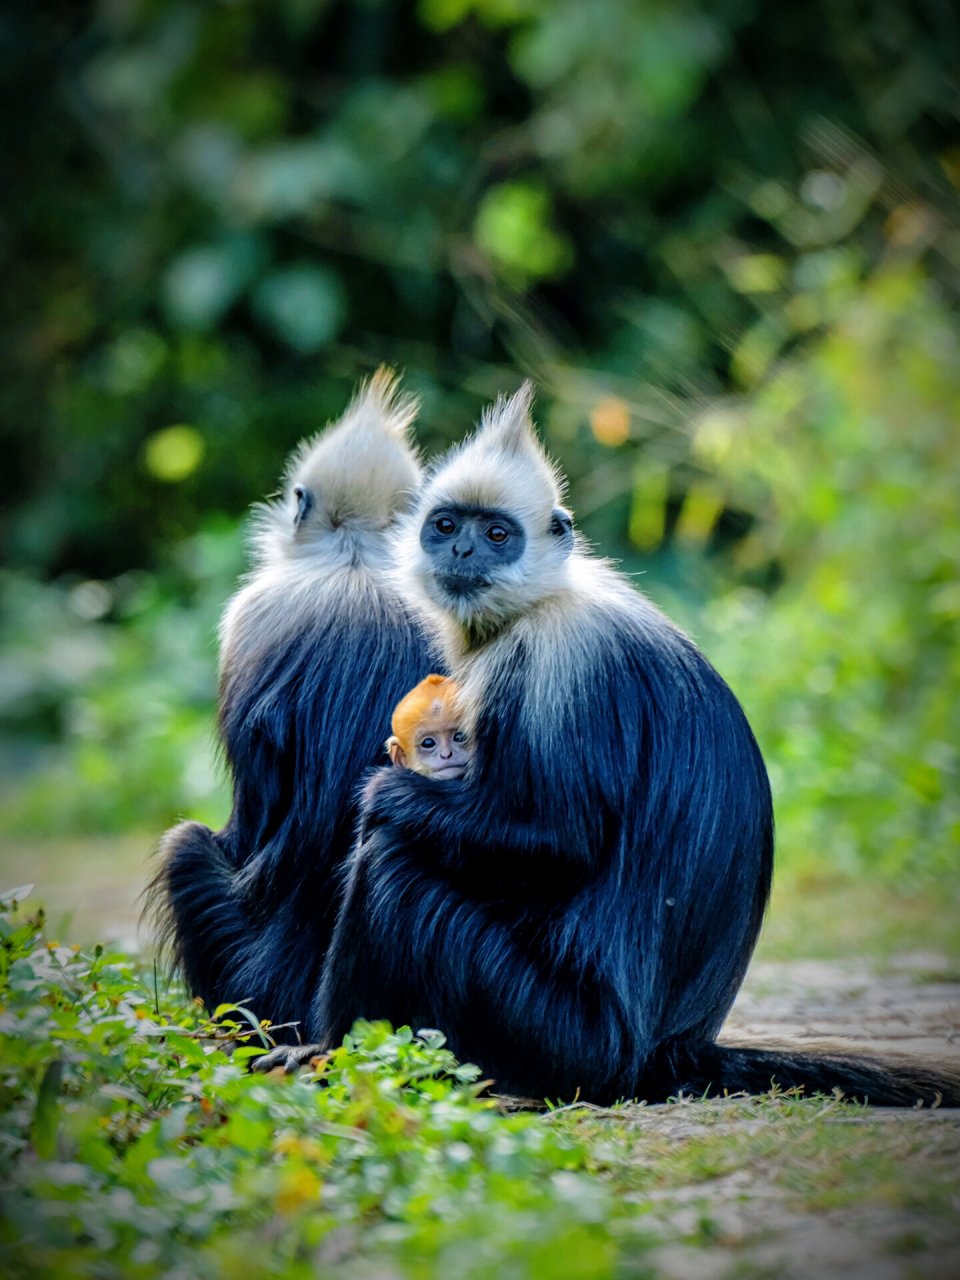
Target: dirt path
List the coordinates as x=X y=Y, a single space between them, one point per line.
x=912 y=1006
x=773 y=1216
x=847 y=1194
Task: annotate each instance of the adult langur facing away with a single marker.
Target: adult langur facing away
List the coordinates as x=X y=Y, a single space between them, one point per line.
x=578 y=912
x=315 y=649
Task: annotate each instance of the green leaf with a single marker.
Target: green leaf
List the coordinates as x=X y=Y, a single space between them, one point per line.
x=203 y=283
x=514 y=227
x=303 y=306
x=173 y=454
x=43 y=1128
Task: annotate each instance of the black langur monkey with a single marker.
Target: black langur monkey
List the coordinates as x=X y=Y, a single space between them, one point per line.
x=578 y=912
x=315 y=650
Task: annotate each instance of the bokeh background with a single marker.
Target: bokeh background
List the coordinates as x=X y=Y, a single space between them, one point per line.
x=723 y=239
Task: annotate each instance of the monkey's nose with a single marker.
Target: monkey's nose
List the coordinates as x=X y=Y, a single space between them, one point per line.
x=463 y=554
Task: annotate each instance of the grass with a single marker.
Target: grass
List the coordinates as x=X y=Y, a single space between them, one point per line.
x=132 y=1146
x=823 y=916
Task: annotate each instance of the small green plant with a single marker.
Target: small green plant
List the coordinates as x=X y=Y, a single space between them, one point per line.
x=137 y=1144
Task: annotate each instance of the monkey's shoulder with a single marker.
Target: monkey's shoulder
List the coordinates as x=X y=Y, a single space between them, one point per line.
x=599 y=620
x=293 y=605
x=598 y=656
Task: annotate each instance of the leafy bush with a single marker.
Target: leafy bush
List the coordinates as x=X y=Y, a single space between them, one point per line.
x=107 y=695
x=226 y=215
x=134 y=1146
x=850 y=670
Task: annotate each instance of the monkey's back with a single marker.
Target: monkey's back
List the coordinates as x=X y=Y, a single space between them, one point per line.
x=312 y=667
x=308 y=683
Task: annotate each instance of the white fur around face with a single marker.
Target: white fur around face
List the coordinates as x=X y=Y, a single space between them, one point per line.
x=501 y=466
x=564 y=636
x=360 y=473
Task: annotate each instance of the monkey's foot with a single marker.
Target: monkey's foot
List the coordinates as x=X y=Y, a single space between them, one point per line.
x=290 y=1057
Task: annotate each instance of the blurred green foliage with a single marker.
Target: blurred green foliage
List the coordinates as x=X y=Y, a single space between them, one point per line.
x=109 y=720
x=851 y=669
x=723 y=239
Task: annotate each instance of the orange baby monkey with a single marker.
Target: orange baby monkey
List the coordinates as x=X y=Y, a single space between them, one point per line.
x=427 y=736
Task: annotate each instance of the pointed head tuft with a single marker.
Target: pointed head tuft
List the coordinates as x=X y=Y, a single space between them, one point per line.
x=502 y=460
x=393 y=409
x=354 y=477
x=507 y=424
x=487 y=541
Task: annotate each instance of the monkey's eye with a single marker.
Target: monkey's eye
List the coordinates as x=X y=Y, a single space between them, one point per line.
x=304 y=500
x=497 y=533
x=444 y=525
x=427 y=744
x=460 y=736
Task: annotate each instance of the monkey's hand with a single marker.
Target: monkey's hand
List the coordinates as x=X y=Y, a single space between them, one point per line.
x=290 y=1057
x=457 y=823
x=406 y=799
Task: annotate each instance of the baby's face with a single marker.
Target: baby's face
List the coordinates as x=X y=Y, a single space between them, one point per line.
x=441 y=748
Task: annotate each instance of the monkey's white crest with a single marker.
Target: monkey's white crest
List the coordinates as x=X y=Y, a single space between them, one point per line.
x=502 y=466
x=350 y=480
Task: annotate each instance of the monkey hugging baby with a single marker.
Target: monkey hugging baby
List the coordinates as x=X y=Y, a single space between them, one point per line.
x=578 y=922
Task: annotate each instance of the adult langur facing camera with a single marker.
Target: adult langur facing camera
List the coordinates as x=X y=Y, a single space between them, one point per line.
x=578 y=912
x=315 y=650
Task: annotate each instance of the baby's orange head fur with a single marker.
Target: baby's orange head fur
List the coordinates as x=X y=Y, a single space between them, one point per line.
x=426 y=734
x=435 y=692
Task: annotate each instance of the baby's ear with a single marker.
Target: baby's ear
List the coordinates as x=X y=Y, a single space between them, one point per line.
x=398 y=757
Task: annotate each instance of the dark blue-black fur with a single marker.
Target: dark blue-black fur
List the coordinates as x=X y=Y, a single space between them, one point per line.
x=561 y=915
x=579 y=924
x=248 y=910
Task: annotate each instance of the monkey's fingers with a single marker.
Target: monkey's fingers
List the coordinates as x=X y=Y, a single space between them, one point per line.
x=288 y=1057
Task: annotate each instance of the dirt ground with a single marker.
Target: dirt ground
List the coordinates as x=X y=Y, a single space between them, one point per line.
x=771 y=1217
x=912 y=1005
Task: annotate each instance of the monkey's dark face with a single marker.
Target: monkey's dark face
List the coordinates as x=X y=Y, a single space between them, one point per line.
x=469 y=546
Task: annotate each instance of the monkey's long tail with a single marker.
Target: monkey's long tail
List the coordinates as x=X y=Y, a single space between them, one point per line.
x=888 y=1081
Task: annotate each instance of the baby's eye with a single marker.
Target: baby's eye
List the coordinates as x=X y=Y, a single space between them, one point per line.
x=460 y=736
x=428 y=744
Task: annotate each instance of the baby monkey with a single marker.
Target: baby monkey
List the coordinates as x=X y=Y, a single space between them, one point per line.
x=426 y=734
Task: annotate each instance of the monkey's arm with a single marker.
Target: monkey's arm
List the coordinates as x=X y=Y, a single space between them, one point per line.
x=412 y=948
x=461 y=822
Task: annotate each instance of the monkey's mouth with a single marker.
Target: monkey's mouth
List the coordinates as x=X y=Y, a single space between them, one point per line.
x=449 y=771
x=462 y=584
